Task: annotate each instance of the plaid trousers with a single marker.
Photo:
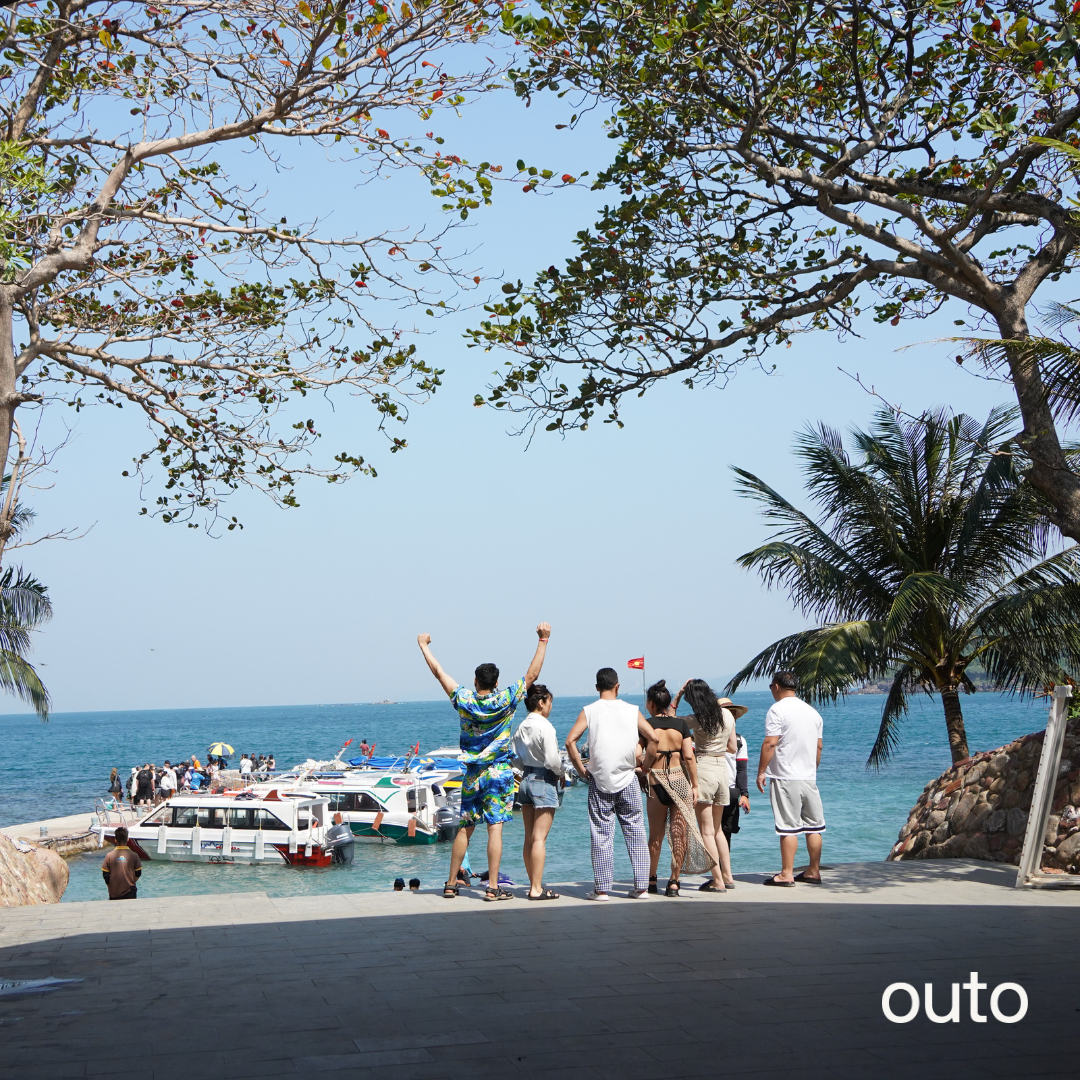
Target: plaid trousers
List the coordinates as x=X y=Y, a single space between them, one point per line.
x=603 y=809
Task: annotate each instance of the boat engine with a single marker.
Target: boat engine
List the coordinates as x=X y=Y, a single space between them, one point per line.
x=341 y=843
x=446 y=822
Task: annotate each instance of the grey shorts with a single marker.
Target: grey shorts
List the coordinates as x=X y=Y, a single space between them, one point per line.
x=540 y=788
x=796 y=807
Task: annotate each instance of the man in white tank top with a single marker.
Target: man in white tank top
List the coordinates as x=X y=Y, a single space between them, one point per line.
x=614 y=727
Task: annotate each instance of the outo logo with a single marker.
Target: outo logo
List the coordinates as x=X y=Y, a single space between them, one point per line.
x=972 y=986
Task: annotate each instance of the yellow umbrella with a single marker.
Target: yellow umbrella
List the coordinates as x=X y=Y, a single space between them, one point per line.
x=220 y=749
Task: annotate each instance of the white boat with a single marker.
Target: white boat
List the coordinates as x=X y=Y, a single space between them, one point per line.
x=247 y=828
x=380 y=807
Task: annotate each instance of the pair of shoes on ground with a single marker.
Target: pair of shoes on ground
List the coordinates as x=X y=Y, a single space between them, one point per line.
x=801 y=878
x=633 y=894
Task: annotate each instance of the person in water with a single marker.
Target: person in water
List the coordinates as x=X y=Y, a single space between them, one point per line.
x=487 y=788
x=670 y=769
x=540 y=792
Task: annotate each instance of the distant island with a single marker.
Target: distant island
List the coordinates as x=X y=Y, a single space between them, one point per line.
x=976 y=673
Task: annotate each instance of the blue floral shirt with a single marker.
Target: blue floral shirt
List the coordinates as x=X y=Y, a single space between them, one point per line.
x=485 y=723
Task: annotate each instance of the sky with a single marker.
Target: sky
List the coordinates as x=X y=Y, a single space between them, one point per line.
x=624 y=540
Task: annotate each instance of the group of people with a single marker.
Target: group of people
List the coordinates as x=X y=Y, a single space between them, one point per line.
x=151 y=784
x=690 y=769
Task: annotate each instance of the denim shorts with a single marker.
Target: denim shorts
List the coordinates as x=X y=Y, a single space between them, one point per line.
x=540 y=788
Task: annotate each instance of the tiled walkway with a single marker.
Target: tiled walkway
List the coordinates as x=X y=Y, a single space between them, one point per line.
x=760 y=983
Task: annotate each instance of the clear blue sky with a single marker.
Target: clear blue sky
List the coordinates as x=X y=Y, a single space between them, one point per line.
x=624 y=540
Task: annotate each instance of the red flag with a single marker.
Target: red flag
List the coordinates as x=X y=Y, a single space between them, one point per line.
x=639 y=663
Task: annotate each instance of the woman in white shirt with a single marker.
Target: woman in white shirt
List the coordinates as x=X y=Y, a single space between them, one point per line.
x=540 y=793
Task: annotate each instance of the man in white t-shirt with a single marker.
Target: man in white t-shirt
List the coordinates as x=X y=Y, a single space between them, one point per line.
x=614 y=727
x=790 y=756
x=167 y=787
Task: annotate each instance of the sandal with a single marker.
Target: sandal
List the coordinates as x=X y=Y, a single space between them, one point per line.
x=545 y=894
x=497 y=894
x=652 y=884
x=672 y=889
x=710 y=886
x=449 y=891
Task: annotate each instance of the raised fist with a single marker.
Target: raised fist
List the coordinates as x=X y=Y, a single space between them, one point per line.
x=543 y=631
x=423 y=639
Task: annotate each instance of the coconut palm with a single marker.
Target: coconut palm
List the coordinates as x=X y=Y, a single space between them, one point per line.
x=24 y=605
x=929 y=555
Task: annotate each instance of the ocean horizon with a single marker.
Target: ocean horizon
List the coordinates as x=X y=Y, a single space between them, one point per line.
x=60 y=768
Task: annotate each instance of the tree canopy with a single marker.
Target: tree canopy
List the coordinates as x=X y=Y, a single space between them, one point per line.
x=782 y=167
x=929 y=555
x=142 y=265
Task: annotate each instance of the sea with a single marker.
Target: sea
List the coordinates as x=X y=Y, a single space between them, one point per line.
x=60 y=768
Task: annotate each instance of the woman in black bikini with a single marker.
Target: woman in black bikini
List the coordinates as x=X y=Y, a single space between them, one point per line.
x=671 y=772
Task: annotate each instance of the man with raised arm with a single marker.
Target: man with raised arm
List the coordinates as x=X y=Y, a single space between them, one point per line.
x=487 y=789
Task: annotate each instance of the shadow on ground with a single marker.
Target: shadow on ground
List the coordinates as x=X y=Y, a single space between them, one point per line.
x=644 y=991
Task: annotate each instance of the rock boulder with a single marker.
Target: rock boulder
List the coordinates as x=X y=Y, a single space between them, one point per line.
x=36 y=876
x=978 y=809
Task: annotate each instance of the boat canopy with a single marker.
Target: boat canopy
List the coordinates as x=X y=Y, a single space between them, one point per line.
x=404 y=764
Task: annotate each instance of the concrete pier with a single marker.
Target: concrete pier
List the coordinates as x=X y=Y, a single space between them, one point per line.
x=760 y=983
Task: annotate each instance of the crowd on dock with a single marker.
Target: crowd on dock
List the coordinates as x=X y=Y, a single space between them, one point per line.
x=150 y=784
x=689 y=771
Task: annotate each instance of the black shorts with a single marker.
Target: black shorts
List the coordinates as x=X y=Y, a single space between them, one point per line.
x=131 y=894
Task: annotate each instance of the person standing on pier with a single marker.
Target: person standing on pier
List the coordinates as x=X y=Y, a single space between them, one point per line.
x=487 y=788
x=790 y=756
x=121 y=869
x=540 y=793
x=614 y=727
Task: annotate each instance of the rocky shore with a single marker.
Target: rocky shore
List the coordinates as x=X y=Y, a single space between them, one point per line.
x=30 y=874
x=978 y=809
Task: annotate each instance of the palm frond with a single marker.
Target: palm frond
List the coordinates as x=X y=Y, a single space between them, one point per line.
x=918 y=594
x=828 y=660
x=896 y=707
x=17 y=676
x=24 y=601
x=1057 y=360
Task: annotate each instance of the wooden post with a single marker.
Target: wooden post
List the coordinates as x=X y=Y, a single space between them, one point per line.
x=1029 y=874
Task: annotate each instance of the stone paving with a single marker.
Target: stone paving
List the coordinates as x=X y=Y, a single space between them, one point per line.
x=759 y=983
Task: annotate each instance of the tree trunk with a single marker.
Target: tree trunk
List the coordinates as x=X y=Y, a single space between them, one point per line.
x=954 y=724
x=1049 y=471
x=9 y=396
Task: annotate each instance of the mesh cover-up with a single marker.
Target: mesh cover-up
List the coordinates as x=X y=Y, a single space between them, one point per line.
x=688 y=851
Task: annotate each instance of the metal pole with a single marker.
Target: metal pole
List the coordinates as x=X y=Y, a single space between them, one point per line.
x=1045 y=782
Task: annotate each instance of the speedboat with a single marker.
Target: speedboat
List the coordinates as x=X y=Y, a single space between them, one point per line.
x=247 y=828
x=381 y=807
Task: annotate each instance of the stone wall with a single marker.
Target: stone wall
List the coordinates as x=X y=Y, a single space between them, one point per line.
x=979 y=808
x=37 y=876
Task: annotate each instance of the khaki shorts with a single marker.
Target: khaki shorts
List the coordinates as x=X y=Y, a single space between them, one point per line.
x=714 y=787
x=796 y=807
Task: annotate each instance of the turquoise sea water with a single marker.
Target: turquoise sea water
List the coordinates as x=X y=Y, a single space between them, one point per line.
x=59 y=768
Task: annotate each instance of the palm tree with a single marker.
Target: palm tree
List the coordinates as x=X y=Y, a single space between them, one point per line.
x=24 y=605
x=929 y=556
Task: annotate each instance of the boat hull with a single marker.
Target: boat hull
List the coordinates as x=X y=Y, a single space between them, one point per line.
x=391 y=834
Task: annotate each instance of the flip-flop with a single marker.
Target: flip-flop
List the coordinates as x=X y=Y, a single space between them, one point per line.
x=807 y=880
x=779 y=884
x=546 y=894
x=710 y=886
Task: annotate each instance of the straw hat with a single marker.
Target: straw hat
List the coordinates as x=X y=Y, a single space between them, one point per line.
x=736 y=710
